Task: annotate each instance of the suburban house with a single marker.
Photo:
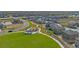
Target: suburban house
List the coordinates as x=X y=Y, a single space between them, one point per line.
x=70 y=36
x=57 y=28
x=17 y=21
x=7 y=23
x=77 y=43
x=1 y=25
x=32 y=31
x=0 y=30
x=73 y=24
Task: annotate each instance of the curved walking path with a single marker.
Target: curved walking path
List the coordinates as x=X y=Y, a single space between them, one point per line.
x=24 y=25
x=51 y=38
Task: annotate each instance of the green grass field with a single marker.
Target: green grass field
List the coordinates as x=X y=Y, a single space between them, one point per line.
x=21 y=40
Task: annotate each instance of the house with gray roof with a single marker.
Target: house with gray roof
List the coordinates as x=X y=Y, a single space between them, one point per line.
x=1 y=25
x=32 y=31
x=73 y=24
x=57 y=28
x=70 y=36
x=77 y=43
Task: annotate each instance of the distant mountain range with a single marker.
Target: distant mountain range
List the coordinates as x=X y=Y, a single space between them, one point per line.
x=37 y=13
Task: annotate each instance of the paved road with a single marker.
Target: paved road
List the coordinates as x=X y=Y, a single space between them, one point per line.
x=25 y=24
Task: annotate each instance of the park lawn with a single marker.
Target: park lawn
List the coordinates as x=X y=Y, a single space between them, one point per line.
x=21 y=40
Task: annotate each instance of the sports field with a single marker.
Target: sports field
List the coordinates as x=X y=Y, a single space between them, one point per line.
x=21 y=40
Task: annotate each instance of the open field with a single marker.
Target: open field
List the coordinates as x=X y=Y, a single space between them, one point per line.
x=21 y=40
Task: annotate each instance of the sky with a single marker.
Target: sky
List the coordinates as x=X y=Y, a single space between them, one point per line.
x=39 y=5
